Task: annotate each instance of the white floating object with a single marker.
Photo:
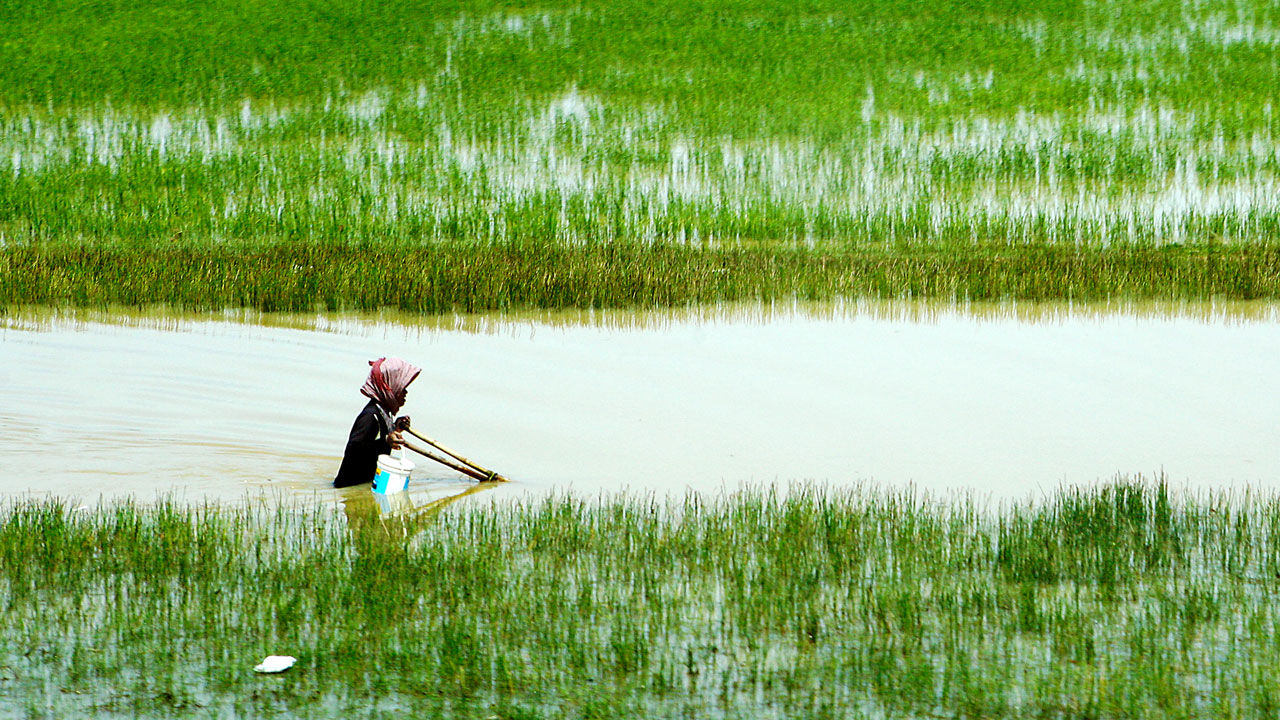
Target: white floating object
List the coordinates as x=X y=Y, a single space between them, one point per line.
x=275 y=664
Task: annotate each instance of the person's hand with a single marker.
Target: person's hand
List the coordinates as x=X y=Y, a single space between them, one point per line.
x=402 y=422
x=396 y=439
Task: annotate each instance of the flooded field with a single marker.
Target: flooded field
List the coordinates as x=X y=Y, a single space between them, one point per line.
x=1006 y=401
x=715 y=587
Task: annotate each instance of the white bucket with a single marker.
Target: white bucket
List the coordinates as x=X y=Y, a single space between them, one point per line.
x=393 y=474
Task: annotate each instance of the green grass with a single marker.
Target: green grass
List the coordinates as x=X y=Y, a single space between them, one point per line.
x=1125 y=600
x=463 y=277
x=933 y=135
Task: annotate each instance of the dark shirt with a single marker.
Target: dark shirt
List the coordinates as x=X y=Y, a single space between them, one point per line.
x=367 y=441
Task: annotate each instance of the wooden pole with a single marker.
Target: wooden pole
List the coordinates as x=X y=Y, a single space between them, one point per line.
x=470 y=472
x=487 y=473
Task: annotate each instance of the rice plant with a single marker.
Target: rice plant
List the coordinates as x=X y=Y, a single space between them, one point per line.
x=928 y=136
x=1126 y=599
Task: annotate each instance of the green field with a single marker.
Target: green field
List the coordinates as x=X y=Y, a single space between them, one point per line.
x=1123 y=601
x=460 y=155
x=477 y=155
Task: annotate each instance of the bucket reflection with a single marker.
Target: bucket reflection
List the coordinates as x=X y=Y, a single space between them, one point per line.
x=397 y=515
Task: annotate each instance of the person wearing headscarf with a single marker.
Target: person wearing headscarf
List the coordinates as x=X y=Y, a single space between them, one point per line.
x=376 y=431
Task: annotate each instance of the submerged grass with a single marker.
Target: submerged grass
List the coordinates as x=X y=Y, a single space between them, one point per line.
x=1124 y=600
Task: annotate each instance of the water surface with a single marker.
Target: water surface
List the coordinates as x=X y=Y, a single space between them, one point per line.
x=1003 y=400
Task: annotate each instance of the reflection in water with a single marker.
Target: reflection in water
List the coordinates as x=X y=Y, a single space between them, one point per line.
x=1004 y=399
x=895 y=310
x=395 y=516
x=381 y=527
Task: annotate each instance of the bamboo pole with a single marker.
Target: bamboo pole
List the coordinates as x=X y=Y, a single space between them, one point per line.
x=488 y=474
x=465 y=470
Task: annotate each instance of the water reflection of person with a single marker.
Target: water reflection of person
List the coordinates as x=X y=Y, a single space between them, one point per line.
x=375 y=431
x=382 y=539
x=399 y=517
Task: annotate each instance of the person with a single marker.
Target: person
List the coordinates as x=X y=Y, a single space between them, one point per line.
x=375 y=432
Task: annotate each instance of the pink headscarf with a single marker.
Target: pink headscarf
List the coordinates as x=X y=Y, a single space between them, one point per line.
x=387 y=378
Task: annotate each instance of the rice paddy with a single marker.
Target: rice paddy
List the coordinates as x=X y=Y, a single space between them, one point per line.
x=1125 y=600
x=482 y=155
x=466 y=277
x=473 y=155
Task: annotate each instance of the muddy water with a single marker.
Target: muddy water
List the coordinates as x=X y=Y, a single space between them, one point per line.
x=1003 y=400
